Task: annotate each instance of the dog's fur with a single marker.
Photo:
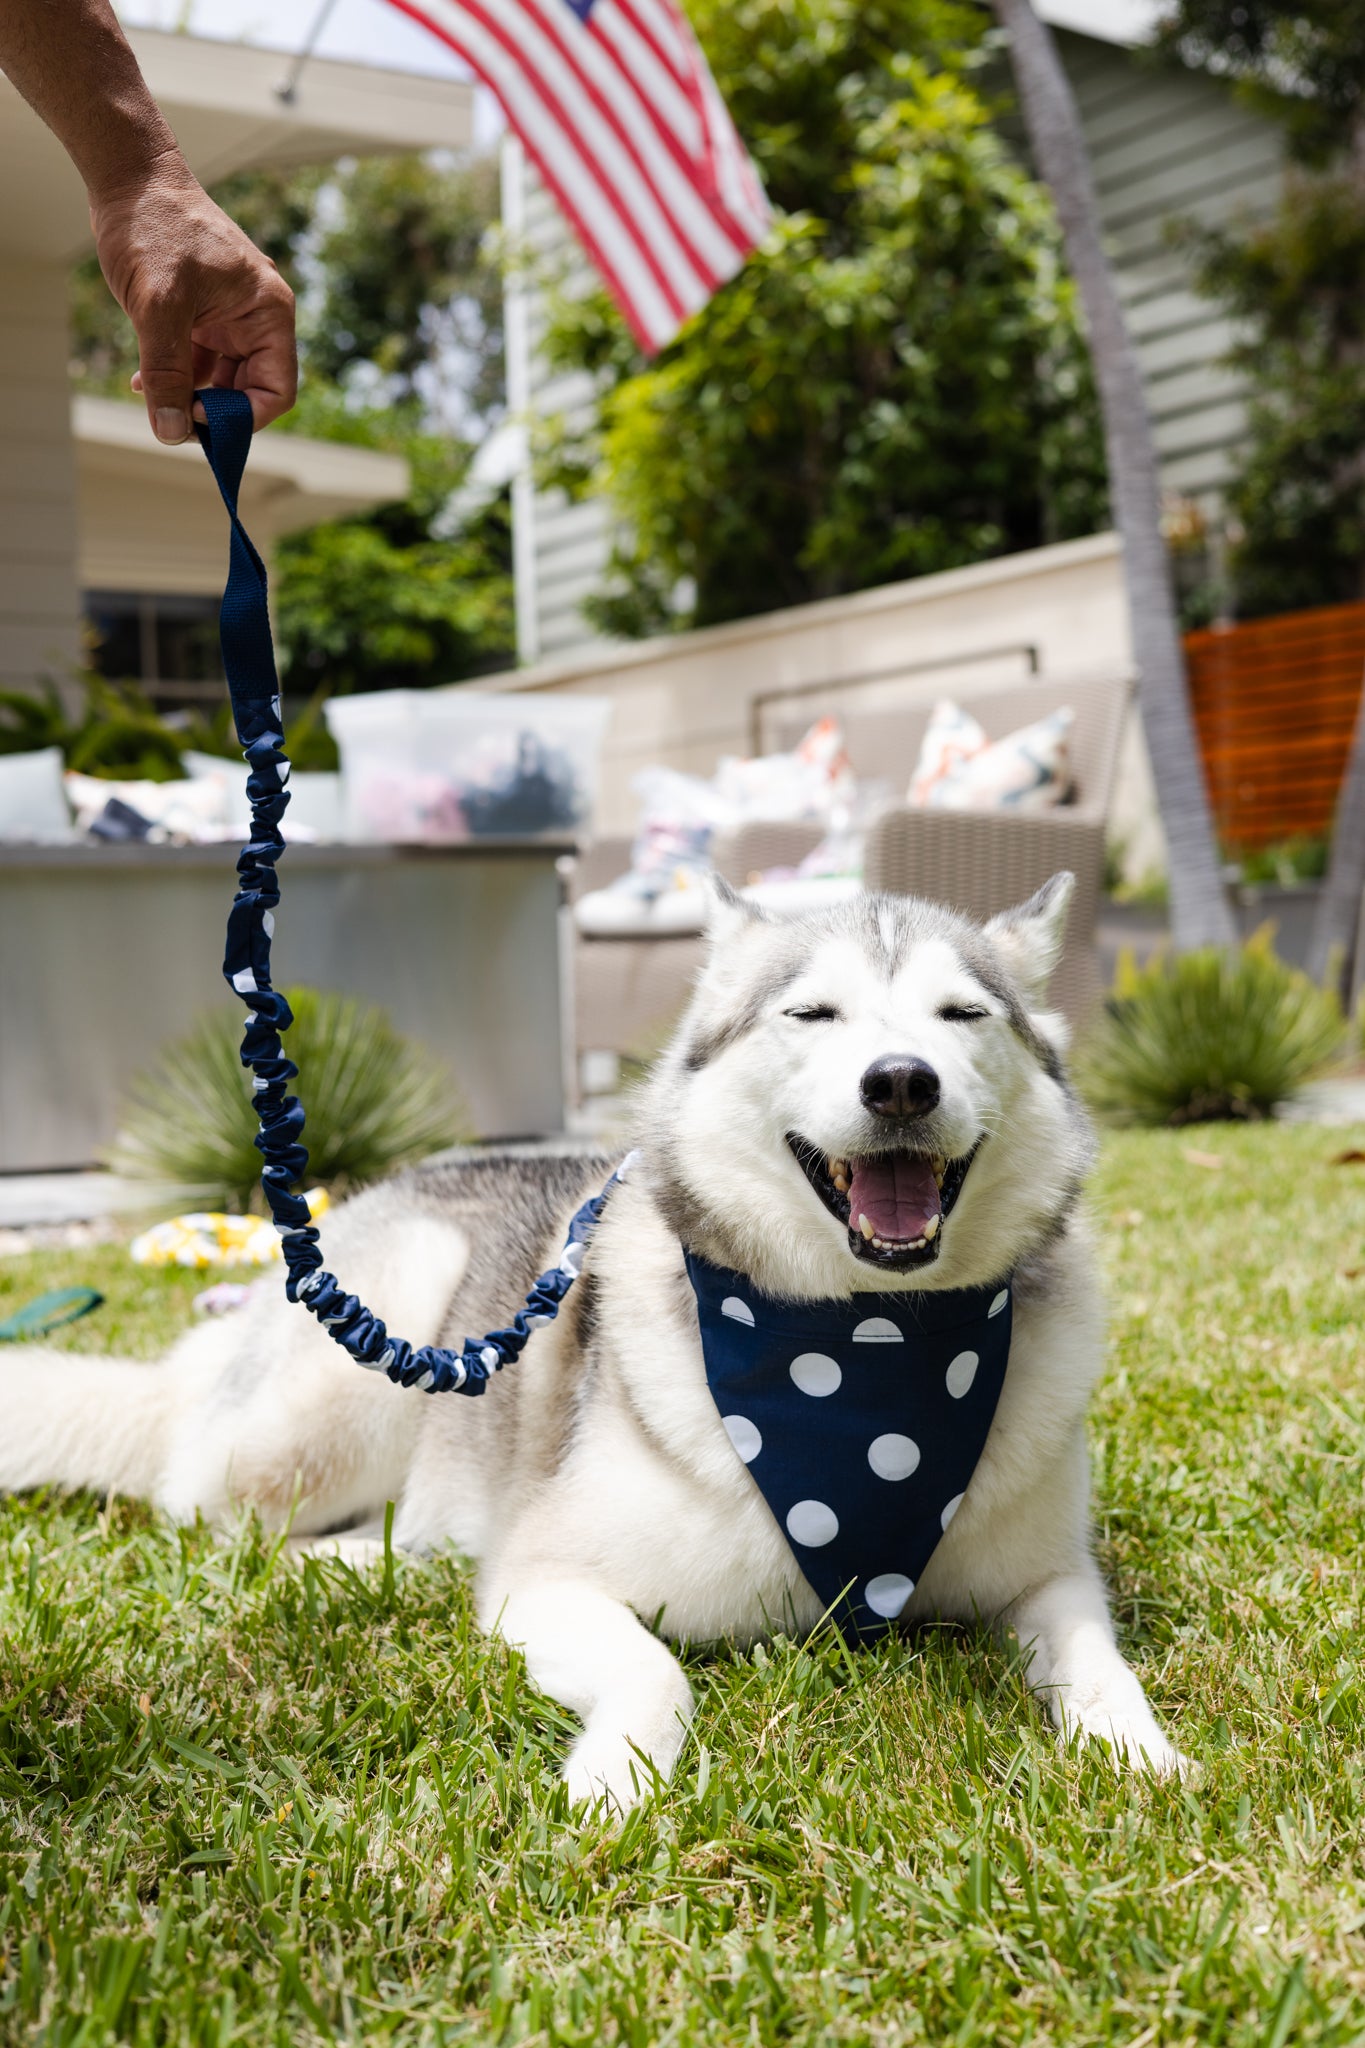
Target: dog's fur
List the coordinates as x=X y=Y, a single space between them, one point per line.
x=594 y=1483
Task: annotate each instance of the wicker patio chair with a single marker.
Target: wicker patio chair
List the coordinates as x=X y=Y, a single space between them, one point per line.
x=626 y=991
x=982 y=862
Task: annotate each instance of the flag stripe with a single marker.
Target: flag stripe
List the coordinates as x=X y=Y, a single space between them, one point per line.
x=681 y=219
x=655 y=19
x=616 y=109
x=652 y=90
x=590 y=206
x=670 y=102
x=596 y=146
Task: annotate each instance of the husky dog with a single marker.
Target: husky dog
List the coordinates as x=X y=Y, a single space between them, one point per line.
x=871 y=1099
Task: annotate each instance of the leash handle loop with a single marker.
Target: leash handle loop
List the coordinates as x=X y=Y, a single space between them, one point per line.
x=253 y=684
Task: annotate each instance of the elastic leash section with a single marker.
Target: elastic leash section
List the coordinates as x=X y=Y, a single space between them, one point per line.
x=253 y=684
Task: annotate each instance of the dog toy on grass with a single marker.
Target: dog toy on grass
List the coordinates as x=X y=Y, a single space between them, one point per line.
x=47 y=1313
x=210 y=1237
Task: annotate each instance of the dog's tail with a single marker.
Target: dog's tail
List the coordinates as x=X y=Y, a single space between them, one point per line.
x=68 y=1420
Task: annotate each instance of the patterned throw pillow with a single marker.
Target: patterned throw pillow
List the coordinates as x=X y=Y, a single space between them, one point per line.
x=959 y=769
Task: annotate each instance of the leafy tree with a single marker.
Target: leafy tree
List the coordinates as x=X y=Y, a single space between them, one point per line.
x=895 y=382
x=401 y=349
x=389 y=599
x=409 y=287
x=1297 y=282
x=1302 y=62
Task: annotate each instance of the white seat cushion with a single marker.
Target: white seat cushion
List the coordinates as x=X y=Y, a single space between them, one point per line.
x=32 y=800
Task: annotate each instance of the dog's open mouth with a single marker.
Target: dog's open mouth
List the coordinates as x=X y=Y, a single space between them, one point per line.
x=893 y=1204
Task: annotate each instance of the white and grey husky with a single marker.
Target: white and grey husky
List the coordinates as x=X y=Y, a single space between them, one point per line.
x=872 y=1099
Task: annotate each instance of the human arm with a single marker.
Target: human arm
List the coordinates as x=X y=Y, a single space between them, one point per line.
x=207 y=306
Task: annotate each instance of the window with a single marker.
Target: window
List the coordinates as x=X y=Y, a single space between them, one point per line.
x=167 y=644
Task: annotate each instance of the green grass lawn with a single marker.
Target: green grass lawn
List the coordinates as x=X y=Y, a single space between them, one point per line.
x=247 y=1801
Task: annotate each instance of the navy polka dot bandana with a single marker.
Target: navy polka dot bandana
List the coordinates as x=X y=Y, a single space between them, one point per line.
x=861 y=1422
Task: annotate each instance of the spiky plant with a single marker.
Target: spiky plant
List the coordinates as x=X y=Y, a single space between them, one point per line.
x=374 y=1101
x=1206 y=1036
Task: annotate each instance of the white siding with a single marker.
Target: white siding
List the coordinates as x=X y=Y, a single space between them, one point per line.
x=1163 y=145
x=39 y=599
x=1166 y=145
x=561 y=547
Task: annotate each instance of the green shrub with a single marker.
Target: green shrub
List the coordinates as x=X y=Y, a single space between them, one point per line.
x=374 y=1102
x=1208 y=1036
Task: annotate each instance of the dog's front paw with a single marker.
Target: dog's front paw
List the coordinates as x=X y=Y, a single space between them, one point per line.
x=607 y=1771
x=1137 y=1742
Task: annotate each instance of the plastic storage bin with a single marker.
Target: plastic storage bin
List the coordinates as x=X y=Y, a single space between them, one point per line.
x=442 y=766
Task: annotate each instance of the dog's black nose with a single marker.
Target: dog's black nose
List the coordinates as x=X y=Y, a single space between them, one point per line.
x=900 y=1085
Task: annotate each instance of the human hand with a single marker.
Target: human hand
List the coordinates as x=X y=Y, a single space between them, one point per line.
x=207 y=306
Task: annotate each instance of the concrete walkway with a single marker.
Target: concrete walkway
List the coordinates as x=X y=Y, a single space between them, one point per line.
x=1340 y=1100
x=27 y=1199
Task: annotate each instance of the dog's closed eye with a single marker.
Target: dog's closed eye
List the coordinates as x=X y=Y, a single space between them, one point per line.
x=963 y=1013
x=813 y=1013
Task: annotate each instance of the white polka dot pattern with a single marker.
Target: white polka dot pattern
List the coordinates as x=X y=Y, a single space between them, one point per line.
x=893 y=1456
x=816 y=1374
x=811 y=1523
x=744 y=1436
x=860 y=1421
x=961 y=1373
x=887 y=1594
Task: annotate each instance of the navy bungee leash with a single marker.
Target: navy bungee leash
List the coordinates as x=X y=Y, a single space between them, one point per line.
x=249 y=662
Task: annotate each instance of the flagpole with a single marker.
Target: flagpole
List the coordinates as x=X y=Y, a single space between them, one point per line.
x=288 y=92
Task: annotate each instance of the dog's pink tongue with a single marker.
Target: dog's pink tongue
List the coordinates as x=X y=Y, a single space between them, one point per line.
x=896 y=1192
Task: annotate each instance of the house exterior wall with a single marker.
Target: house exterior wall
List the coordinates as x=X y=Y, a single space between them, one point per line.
x=1162 y=144
x=560 y=548
x=1168 y=145
x=39 y=595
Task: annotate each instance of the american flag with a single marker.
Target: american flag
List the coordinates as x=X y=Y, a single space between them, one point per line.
x=616 y=108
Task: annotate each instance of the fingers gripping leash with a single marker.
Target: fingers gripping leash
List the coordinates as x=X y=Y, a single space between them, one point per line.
x=249 y=660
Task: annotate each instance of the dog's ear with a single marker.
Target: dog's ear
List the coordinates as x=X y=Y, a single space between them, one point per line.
x=1030 y=937
x=729 y=914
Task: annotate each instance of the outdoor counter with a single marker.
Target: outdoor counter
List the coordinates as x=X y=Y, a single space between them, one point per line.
x=107 y=952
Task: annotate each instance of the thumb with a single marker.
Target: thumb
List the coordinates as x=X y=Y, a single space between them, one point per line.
x=166 y=373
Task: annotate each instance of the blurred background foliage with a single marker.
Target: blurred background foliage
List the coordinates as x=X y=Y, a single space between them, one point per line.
x=1295 y=282
x=896 y=382
x=376 y=1101
x=401 y=349
x=113 y=729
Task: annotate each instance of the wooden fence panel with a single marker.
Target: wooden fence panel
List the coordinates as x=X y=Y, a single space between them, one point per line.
x=1275 y=704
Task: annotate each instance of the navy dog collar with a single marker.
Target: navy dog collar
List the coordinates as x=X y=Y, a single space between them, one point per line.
x=861 y=1422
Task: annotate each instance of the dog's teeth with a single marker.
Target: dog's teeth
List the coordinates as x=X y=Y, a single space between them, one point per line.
x=865 y=1227
x=931 y=1228
x=841 y=1183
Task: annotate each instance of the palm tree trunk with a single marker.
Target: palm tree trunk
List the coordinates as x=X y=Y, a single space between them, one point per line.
x=1338 y=913
x=1200 y=913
